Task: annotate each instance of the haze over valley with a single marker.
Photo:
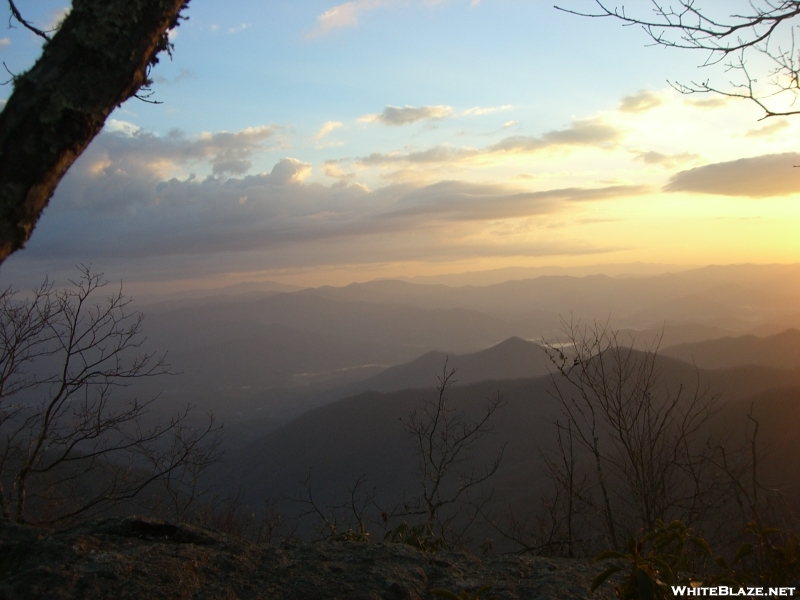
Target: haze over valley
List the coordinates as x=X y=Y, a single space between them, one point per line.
x=272 y=355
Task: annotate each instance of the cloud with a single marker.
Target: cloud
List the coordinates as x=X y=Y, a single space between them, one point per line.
x=583 y=132
x=331 y=170
x=478 y=111
x=120 y=202
x=757 y=177
x=395 y=115
x=182 y=75
x=342 y=15
x=460 y=201
x=4 y=42
x=57 y=17
x=587 y=132
x=124 y=163
x=289 y=170
x=227 y=152
x=238 y=28
x=437 y=154
x=119 y=126
x=666 y=160
x=327 y=128
x=769 y=129
x=641 y=101
x=713 y=102
x=347 y=14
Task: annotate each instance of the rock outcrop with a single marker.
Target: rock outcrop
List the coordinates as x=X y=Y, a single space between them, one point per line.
x=136 y=558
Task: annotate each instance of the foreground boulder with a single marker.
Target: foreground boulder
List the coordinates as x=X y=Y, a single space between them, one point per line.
x=136 y=558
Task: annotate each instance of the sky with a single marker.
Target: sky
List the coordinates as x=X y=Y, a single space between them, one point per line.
x=321 y=142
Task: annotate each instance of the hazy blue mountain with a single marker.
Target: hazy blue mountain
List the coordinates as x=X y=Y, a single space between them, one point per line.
x=727 y=298
x=670 y=334
x=264 y=358
x=492 y=276
x=514 y=358
x=780 y=350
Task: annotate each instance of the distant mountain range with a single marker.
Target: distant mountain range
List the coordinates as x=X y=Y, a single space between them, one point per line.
x=262 y=357
x=514 y=358
x=781 y=350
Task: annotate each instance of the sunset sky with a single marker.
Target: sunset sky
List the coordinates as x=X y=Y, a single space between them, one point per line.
x=313 y=143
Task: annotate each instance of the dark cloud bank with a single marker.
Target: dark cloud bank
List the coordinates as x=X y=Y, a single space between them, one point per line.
x=757 y=177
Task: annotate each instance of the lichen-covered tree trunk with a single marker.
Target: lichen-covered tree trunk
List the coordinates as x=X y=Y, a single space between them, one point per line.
x=99 y=58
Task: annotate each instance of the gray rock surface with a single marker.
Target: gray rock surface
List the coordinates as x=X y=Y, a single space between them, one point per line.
x=135 y=558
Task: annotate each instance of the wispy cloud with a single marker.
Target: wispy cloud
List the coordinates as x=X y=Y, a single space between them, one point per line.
x=769 y=129
x=460 y=201
x=326 y=129
x=182 y=75
x=347 y=14
x=641 y=101
x=331 y=170
x=666 y=160
x=396 y=115
x=4 y=42
x=581 y=133
x=478 y=110
x=343 y=15
x=706 y=102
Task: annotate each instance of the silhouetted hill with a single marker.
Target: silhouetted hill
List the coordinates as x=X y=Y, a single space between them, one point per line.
x=777 y=412
x=780 y=350
x=671 y=334
x=511 y=359
x=514 y=358
x=364 y=436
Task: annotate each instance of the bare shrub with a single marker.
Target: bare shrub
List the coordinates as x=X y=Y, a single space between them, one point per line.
x=69 y=447
x=633 y=450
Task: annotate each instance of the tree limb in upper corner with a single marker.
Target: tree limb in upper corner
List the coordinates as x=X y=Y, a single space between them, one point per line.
x=100 y=57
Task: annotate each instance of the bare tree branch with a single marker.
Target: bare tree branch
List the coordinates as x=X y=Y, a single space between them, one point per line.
x=685 y=24
x=27 y=24
x=643 y=439
x=445 y=439
x=65 y=440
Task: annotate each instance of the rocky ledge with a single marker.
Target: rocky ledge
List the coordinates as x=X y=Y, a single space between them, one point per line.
x=142 y=558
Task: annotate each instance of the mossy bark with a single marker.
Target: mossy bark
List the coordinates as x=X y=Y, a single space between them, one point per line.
x=99 y=58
